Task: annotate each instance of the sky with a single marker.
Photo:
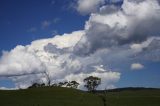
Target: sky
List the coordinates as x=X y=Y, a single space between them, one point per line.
x=116 y=40
x=25 y=21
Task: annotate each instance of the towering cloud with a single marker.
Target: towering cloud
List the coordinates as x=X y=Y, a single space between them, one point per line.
x=133 y=23
x=111 y=35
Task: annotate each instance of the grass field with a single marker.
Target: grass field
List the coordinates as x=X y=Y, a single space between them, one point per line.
x=134 y=98
x=69 y=97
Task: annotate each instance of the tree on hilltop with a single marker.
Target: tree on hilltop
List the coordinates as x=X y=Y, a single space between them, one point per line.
x=91 y=83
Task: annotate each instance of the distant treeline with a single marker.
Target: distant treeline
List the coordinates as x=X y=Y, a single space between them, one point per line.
x=70 y=84
x=91 y=83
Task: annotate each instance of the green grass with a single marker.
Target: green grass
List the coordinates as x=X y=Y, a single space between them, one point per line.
x=134 y=98
x=48 y=97
x=70 y=97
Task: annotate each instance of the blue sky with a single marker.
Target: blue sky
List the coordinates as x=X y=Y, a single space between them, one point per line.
x=148 y=77
x=23 y=21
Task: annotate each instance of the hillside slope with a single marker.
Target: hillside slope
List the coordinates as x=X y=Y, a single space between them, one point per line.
x=133 y=97
x=70 y=97
x=48 y=97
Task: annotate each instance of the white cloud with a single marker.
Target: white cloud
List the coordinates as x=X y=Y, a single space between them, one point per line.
x=139 y=47
x=20 y=61
x=151 y=52
x=107 y=78
x=61 y=41
x=88 y=6
x=131 y=24
x=4 y=88
x=55 y=56
x=137 y=66
x=99 y=68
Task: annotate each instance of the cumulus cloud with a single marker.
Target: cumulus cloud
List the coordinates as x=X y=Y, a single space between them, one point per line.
x=19 y=61
x=28 y=63
x=151 y=52
x=133 y=23
x=137 y=66
x=88 y=6
x=107 y=78
x=111 y=35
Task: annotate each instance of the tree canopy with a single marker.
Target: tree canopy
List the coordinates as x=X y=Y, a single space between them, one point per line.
x=91 y=83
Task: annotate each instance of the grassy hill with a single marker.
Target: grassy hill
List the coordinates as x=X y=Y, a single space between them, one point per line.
x=133 y=97
x=48 y=97
x=70 y=97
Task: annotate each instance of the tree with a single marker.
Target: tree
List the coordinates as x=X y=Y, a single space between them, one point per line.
x=35 y=85
x=42 y=85
x=46 y=73
x=60 y=84
x=54 y=85
x=92 y=83
x=73 y=84
x=65 y=83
